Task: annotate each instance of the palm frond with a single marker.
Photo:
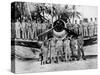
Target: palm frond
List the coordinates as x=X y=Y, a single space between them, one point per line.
x=78 y=16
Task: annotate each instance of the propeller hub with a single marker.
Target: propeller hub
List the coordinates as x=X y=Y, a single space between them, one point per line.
x=60 y=25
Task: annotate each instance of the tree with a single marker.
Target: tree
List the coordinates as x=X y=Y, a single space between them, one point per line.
x=62 y=12
x=17 y=10
x=74 y=13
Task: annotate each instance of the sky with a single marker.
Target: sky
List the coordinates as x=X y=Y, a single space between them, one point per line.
x=88 y=11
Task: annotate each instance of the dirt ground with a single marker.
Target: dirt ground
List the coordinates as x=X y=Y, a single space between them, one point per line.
x=31 y=66
x=34 y=66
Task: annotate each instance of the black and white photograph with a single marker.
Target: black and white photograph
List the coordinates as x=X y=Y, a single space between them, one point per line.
x=47 y=37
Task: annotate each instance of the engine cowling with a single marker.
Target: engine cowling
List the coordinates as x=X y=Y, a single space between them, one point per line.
x=59 y=31
x=60 y=25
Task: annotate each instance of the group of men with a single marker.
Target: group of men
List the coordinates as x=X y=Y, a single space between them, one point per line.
x=56 y=50
x=29 y=30
x=90 y=28
x=86 y=28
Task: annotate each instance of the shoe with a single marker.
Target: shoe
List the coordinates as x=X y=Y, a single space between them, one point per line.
x=84 y=58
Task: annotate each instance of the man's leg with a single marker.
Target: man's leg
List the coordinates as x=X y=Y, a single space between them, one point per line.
x=79 y=54
x=82 y=51
x=69 y=54
x=22 y=33
x=16 y=33
x=65 y=55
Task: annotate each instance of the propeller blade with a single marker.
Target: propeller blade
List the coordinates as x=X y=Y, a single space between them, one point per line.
x=70 y=32
x=46 y=31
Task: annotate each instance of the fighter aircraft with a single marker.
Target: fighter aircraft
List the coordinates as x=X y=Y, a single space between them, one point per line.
x=59 y=30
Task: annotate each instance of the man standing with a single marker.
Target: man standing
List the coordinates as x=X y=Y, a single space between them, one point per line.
x=76 y=27
x=34 y=29
x=95 y=26
x=23 y=25
x=74 y=48
x=17 y=28
x=80 y=47
x=38 y=29
x=67 y=49
x=43 y=29
x=59 y=49
x=52 y=49
x=29 y=30
x=85 y=29
x=91 y=24
x=44 y=51
x=26 y=30
x=81 y=27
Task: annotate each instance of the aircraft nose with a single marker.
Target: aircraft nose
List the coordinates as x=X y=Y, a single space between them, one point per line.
x=60 y=25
